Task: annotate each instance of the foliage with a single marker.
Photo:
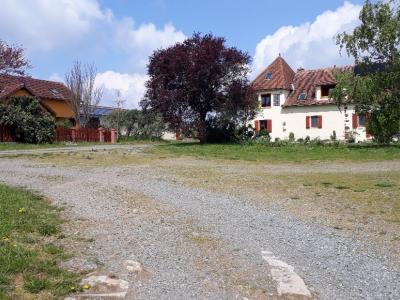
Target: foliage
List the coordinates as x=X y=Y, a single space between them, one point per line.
x=291 y=137
x=333 y=136
x=12 y=59
x=85 y=96
x=136 y=123
x=200 y=85
x=23 y=252
x=375 y=90
x=29 y=122
x=64 y=123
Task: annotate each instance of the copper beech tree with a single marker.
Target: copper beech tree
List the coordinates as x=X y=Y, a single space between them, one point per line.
x=12 y=59
x=200 y=84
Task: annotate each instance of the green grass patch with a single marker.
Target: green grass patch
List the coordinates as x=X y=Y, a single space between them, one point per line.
x=384 y=184
x=28 y=265
x=290 y=153
x=341 y=187
x=20 y=146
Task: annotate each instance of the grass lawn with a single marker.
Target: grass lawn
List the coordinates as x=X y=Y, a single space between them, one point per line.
x=29 y=254
x=19 y=146
x=296 y=153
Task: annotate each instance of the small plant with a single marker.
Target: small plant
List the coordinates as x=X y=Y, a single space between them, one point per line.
x=384 y=184
x=35 y=285
x=307 y=184
x=333 y=136
x=341 y=187
x=291 y=137
x=307 y=140
x=47 y=229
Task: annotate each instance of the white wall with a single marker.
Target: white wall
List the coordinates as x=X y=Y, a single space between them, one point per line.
x=332 y=120
x=293 y=119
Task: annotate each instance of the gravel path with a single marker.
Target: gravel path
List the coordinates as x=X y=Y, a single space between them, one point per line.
x=195 y=244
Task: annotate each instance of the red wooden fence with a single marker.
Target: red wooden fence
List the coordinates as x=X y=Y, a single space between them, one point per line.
x=69 y=135
x=85 y=135
x=6 y=134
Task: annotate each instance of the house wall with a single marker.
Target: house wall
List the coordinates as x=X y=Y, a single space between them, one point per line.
x=59 y=108
x=293 y=119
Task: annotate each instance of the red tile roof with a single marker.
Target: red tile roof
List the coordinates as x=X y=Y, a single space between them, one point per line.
x=302 y=81
x=282 y=76
x=307 y=80
x=40 y=88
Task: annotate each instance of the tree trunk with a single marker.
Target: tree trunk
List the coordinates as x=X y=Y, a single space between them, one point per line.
x=202 y=132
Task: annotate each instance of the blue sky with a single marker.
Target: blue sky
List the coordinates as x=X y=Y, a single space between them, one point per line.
x=119 y=35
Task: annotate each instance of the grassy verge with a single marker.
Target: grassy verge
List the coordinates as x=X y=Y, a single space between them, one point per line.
x=18 y=146
x=29 y=253
x=295 y=153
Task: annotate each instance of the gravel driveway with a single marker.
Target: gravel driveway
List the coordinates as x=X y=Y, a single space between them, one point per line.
x=195 y=244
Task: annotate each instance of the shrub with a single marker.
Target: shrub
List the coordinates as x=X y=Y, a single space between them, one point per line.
x=291 y=137
x=307 y=140
x=333 y=136
x=29 y=122
x=64 y=124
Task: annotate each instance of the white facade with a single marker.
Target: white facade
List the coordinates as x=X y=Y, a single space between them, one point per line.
x=285 y=120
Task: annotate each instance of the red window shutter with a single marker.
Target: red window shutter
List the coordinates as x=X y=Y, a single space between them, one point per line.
x=269 y=126
x=257 y=125
x=355 y=121
x=319 y=121
x=307 y=122
x=366 y=126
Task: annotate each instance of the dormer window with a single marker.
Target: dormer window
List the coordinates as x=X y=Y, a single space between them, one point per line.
x=55 y=92
x=266 y=100
x=268 y=76
x=326 y=90
x=302 y=96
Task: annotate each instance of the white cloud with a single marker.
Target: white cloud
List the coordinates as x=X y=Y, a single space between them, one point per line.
x=132 y=87
x=56 y=77
x=309 y=45
x=141 y=41
x=47 y=24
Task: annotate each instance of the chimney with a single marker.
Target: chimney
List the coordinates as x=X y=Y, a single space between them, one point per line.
x=300 y=69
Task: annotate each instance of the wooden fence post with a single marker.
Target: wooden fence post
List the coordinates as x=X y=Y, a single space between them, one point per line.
x=113 y=136
x=101 y=135
x=73 y=134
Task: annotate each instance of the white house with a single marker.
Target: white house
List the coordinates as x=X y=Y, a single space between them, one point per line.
x=299 y=102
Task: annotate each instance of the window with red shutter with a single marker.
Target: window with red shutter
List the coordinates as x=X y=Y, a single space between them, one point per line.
x=257 y=125
x=355 y=121
x=269 y=126
x=307 y=122
x=319 y=121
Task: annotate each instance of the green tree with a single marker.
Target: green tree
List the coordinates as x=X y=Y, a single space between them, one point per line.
x=28 y=120
x=200 y=84
x=374 y=87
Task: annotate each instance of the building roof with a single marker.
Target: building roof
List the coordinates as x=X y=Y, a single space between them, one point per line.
x=306 y=81
x=278 y=75
x=101 y=111
x=297 y=83
x=44 y=89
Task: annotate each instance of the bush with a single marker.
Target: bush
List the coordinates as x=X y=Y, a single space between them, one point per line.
x=29 y=122
x=333 y=136
x=291 y=137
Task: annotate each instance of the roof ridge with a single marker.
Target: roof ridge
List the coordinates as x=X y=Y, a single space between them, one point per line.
x=325 y=68
x=27 y=77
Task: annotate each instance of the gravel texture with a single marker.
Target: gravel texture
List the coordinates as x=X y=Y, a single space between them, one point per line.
x=195 y=244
